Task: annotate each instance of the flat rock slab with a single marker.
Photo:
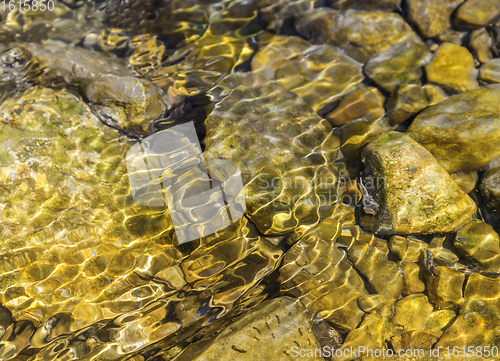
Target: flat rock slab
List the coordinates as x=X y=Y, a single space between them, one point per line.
x=416 y=195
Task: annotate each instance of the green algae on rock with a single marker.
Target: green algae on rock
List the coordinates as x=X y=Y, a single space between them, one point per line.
x=462 y=132
x=400 y=64
x=453 y=68
x=283 y=164
x=417 y=195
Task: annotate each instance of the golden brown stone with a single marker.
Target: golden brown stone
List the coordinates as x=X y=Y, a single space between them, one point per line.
x=360 y=102
x=412 y=282
x=490 y=72
x=445 y=289
x=481 y=43
x=430 y=16
x=479 y=241
x=478 y=12
x=453 y=68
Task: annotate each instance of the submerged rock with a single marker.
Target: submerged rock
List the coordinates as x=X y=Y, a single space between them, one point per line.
x=113 y=91
x=360 y=102
x=480 y=242
x=462 y=132
x=283 y=163
x=400 y=64
x=490 y=72
x=317 y=272
x=490 y=187
x=478 y=12
x=361 y=34
x=318 y=74
x=270 y=332
x=453 y=68
x=410 y=99
x=417 y=194
x=481 y=43
x=432 y=17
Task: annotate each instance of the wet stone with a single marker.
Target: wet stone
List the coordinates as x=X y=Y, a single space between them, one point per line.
x=317 y=272
x=282 y=163
x=320 y=76
x=461 y=131
x=412 y=283
x=411 y=99
x=479 y=318
x=445 y=289
x=490 y=72
x=417 y=195
x=431 y=16
x=480 y=242
x=360 y=102
x=453 y=68
x=266 y=333
x=407 y=248
x=384 y=5
x=400 y=64
x=362 y=34
x=481 y=43
x=478 y=12
x=113 y=91
x=490 y=187
x=466 y=180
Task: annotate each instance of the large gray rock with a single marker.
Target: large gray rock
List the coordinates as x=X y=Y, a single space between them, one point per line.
x=462 y=132
x=415 y=194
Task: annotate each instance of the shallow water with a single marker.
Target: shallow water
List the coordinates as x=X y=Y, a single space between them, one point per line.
x=175 y=175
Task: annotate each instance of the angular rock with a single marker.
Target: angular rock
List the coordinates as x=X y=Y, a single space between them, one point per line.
x=453 y=68
x=360 y=102
x=481 y=43
x=270 y=332
x=400 y=64
x=462 y=132
x=282 y=162
x=490 y=72
x=410 y=99
x=431 y=16
x=440 y=319
x=480 y=242
x=417 y=195
x=478 y=12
